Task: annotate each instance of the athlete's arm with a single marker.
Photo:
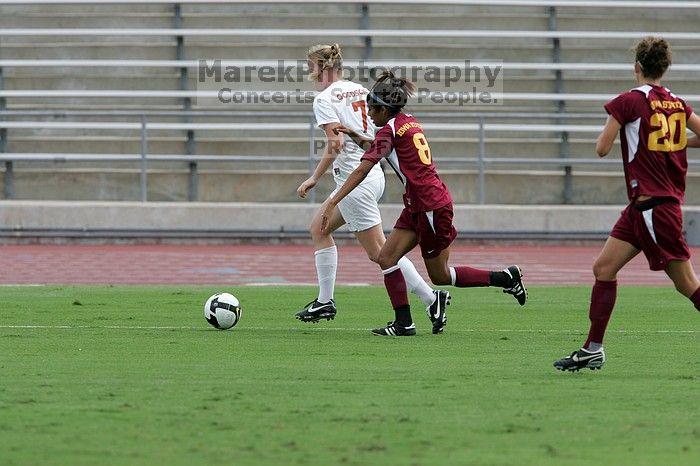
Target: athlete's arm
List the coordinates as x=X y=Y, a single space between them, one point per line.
x=380 y=148
x=334 y=142
x=607 y=137
x=355 y=178
x=364 y=143
x=694 y=124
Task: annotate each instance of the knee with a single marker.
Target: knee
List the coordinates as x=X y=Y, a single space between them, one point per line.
x=384 y=260
x=602 y=271
x=315 y=232
x=440 y=277
x=315 y=235
x=681 y=288
x=374 y=257
x=686 y=286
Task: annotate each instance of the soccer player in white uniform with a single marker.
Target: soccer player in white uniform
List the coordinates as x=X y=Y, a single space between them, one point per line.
x=343 y=103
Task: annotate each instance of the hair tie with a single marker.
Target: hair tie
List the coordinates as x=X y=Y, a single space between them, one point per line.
x=375 y=99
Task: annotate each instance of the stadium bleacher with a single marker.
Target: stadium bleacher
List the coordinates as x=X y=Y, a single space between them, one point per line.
x=115 y=64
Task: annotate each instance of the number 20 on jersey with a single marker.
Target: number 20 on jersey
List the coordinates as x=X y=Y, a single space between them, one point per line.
x=663 y=139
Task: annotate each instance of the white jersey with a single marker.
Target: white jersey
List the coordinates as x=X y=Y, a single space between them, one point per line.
x=344 y=102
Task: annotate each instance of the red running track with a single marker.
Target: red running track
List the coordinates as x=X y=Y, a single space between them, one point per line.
x=285 y=264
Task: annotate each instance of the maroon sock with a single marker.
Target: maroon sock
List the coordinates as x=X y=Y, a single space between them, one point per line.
x=468 y=277
x=396 y=287
x=602 y=304
x=695 y=298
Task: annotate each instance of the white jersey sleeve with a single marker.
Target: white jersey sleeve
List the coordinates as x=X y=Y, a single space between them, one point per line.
x=324 y=112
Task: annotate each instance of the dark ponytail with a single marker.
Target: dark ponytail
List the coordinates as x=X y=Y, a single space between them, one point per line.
x=391 y=91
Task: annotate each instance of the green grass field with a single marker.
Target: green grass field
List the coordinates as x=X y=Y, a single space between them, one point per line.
x=135 y=376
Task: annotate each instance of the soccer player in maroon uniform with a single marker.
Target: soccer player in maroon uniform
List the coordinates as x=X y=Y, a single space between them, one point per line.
x=427 y=217
x=652 y=124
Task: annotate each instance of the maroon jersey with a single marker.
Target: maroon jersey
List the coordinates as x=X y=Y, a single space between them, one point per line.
x=653 y=140
x=402 y=142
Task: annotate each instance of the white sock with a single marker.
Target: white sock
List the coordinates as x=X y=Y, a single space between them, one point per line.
x=594 y=347
x=414 y=282
x=453 y=276
x=326 y=266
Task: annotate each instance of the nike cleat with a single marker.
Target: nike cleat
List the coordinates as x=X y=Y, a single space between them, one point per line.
x=437 y=312
x=516 y=286
x=315 y=311
x=581 y=359
x=394 y=329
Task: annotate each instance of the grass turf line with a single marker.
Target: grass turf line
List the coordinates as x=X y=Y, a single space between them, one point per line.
x=112 y=388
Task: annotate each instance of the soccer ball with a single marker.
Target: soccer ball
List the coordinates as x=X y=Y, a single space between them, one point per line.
x=222 y=311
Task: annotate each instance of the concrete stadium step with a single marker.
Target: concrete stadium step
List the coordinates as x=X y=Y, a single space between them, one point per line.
x=638 y=19
x=602 y=52
x=111 y=82
x=90 y=50
x=48 y=19
x=224 y=185
x=267 y=48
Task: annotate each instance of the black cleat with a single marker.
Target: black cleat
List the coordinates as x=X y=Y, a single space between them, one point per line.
x=516 y=286
x=581 y=359
x=393 y=329
x=437 y=311
x=315 y=311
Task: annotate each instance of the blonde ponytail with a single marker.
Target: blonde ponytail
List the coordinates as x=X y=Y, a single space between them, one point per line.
x=325 y=57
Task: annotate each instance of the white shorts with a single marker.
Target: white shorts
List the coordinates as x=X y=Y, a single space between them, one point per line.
x=360 y=208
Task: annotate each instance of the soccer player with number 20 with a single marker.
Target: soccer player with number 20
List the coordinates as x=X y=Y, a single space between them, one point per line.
x=652 y=124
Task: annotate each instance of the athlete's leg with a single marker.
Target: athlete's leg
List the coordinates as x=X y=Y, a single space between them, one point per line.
x=326 y=260
x=615 y=254
x=438 y=270
x=510 y=279
x=372 y=241
x=612 y=258
x=436 y=232
x=397 y=245
x=685 y=280
x=322 y=240
x=326 y=254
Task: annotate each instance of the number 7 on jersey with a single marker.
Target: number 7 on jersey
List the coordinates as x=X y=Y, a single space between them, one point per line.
x=361 y=105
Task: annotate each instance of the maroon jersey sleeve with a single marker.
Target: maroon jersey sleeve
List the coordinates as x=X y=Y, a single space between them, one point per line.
x=623 y=107
x=382 y=145
x=688 y=109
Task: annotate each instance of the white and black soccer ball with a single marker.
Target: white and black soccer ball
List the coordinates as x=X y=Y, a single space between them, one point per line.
x=222 y=311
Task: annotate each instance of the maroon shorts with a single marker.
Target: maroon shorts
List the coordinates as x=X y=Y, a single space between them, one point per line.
x=434 y=229
x=657 y=231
